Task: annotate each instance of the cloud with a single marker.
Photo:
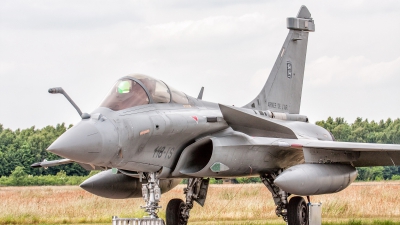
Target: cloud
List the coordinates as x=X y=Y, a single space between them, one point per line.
x=227 y=46
x=356 y=71
x=216 y=26
x=351 y=87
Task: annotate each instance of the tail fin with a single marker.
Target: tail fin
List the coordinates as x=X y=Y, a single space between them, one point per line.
x=282 y=91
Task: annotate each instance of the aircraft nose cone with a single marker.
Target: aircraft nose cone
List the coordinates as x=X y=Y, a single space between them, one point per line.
x=82 y=143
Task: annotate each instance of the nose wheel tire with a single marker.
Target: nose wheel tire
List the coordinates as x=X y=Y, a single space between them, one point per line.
x=174 y=212
x=297 y=211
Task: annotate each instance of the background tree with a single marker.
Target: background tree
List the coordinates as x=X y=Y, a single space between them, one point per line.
x=385 y=132
x=22 y=148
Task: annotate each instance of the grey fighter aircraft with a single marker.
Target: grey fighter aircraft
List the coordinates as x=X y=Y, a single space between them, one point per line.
x=147 y=136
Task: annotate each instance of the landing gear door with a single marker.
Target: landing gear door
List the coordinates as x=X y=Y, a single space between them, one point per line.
x=203 y=192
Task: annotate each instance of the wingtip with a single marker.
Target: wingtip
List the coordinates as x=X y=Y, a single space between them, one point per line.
x=36 y=165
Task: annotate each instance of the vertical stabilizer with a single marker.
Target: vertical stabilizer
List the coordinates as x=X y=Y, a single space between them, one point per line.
x=282 y=91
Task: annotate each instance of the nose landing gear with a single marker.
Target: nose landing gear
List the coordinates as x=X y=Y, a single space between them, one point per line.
x=151 y=193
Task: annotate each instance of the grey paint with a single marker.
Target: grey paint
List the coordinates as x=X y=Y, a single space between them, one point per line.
x=120 y=186
x=60 y=90
x=178 y=141
x=242 y=154
x=316 y=179
x=200 y=97
x=46 y=163
x=282 y=91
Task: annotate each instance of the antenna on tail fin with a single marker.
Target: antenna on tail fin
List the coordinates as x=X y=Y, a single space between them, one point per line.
x=201 y=93
x=282 y=91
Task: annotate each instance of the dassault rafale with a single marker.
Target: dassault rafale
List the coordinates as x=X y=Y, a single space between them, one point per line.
x=147 y=136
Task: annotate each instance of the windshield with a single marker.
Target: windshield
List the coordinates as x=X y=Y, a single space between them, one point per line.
x=126 y=93
x=178 y=96
x=158 y=90
x=129 y=92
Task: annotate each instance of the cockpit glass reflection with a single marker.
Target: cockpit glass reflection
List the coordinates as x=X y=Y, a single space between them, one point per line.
x=124 y=87
x=126 y=93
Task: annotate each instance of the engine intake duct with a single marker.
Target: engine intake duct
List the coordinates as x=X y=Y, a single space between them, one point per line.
x=232 y=155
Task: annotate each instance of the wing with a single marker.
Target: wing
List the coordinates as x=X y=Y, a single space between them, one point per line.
x=313 y=140
x=357 y=154
x=58 y=162
x=52 y=163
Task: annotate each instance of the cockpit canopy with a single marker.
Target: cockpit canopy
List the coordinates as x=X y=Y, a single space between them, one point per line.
x=138 y=89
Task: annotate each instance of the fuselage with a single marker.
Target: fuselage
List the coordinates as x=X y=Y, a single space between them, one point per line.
x=151 y=136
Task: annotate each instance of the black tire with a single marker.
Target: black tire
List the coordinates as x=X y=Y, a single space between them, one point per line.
x=297 y=211
x=173 y=213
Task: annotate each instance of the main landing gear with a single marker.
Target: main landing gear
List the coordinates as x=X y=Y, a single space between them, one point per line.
x=294 y=212
x=178 y=211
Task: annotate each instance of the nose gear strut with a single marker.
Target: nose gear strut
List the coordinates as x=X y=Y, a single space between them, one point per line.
x=151 y=193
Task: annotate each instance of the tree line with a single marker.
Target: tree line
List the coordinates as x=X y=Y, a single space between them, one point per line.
x=24 y=147
x=21 y=148
x=383 y=132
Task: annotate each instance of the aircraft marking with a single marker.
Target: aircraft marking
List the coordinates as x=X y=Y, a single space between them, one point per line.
x=159 y=151
x=196 y=119
x=277 y=105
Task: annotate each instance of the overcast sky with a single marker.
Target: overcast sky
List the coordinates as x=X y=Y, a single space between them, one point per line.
x=227 y=46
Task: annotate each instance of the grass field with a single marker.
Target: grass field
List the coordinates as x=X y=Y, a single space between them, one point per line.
x=361 y=203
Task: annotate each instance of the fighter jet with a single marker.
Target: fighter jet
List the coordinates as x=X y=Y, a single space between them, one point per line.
x=147 y=136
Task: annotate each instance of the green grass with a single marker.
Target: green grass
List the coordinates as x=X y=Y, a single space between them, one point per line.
x=363 y=222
